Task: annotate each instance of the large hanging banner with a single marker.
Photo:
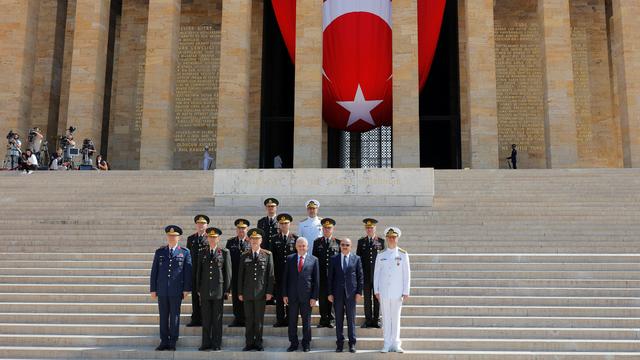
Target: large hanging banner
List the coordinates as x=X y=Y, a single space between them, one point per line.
x=356 y=64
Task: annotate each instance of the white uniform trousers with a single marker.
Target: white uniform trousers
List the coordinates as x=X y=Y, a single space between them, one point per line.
x=391 y=309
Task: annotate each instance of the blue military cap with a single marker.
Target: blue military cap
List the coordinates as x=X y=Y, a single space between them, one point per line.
x=173 y=230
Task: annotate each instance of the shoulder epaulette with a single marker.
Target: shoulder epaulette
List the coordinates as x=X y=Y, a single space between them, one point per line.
x=402 y=250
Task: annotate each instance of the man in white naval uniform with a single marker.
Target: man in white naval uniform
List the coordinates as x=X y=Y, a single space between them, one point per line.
x=391 y=284
x=311 y=228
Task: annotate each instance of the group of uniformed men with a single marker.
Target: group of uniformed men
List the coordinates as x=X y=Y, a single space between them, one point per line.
x=271 y=265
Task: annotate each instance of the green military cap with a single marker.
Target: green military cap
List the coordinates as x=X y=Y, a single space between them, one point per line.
x=285 y=218
x=254 y=233
x=271 y=201
x=213 y=232
x=328 y=222
x=173 y=230
x=201 y=219
x=369 y=222
x=242 y=223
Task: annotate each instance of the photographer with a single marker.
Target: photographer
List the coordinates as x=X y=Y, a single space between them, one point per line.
x=29 y=163
x=67 y=143
x=35 y=141
x=13 y=150
x=88 y=149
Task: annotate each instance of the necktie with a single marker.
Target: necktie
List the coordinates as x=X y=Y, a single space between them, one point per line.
x=344 y=263
x=255 y=256
x=300 y=261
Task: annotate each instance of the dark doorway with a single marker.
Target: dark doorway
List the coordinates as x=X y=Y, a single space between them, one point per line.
x=278 y=75
x=440 y=100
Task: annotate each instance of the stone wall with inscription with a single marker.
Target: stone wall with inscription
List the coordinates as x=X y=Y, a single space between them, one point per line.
x=197 y=82
x=598 y=133
x=519 y=77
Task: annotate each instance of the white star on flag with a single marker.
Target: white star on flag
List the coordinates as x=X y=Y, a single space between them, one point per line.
x=360 y=108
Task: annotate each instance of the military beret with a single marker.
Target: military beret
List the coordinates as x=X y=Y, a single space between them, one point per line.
x=256 y=233
x=173 y=230
x=213 y=232
x=271 y=201
x=202 y=219
x=242 y=223
x=328 y=222
x=312 y=203
x=285 y=218
x=392 y=231
x=369 y=222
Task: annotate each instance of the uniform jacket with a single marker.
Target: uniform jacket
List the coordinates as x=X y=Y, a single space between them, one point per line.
x=255 y=276
x=214 y=273
x=368 y=253
x=171 y=274
x=270 y=228
x=392 y=277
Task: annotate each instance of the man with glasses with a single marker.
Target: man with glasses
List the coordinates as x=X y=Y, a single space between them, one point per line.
x=345 y=290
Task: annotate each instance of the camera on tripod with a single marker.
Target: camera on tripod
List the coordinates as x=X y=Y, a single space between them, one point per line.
x=88 y=148
x=65 y=140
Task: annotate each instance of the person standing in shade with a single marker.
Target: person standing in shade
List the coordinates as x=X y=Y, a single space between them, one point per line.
x=214 y=282
x=196 y=242
x=283 y=244
x=300 y=290
x=311 y=227
x=269 y=224
x=170 y=282
x=513 y=157
x=369 y=247
x=345 y=290
x=237 y=246
x=255 y=287
x=324 y=248
x=391 y=284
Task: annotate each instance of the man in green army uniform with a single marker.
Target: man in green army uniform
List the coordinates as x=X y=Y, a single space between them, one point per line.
x=255 y=287
x=214 y=283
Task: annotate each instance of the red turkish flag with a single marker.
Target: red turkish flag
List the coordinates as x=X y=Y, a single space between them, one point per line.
x=357 y=66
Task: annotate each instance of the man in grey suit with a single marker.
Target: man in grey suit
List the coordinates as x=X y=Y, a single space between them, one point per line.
x=300 y=288
x=345 y=285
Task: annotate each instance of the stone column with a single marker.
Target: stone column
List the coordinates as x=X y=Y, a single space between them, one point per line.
x=233 y=131
x=255 y=91
x=88 y=64
x=482 y=108
x=406 y=92
x=560 y=112
x=157 y=141
x=626 y=44
x=307 y=121
x=18 y=21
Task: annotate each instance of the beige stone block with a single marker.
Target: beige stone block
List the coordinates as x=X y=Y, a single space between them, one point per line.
x=560 y=114
x=234 y=94
x=158 y=114
x=88 y=64
x=308 y=149
x=406 y=92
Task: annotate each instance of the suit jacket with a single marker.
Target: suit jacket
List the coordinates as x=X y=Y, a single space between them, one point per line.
x=349 y=280
x=255 y=276
x=214 y=274
x=171 y=274
x=301 y=286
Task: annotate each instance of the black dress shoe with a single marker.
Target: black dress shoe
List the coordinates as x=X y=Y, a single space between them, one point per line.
x=171 y=348
x=259 y=348
x=161 y=347
x=292 y=348
x=329 y=325
x=352 y=349
x=247 y=348
x=306 y=348
x=365 y=325
x=376 y=325
x=339 y=349
x=194 y=324
x=280 y=324
x=204 y=348
x=236 y=324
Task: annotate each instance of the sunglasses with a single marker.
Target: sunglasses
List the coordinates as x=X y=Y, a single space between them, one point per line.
x=345 y=245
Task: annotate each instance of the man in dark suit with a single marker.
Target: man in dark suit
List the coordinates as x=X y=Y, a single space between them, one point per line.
x=345 y=289
x=255 y=287
x=237 y=246
x=196 y=242
x=369 y=247
x=214 y=282
x=170 y=282
x=300 y=289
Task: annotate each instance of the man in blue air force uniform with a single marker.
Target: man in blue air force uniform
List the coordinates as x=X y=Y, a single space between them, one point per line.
x=170 y=283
